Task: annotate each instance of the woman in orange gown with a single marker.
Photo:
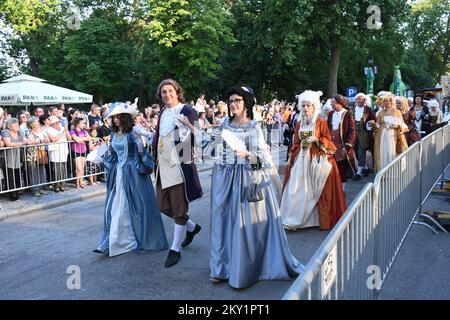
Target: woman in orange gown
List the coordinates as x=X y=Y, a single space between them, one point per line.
x=306 y=202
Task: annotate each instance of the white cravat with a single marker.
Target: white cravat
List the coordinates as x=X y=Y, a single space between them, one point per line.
x=168 y=119
x=336 y=120
x=359 y=113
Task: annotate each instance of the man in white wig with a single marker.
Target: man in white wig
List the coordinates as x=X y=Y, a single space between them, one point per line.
x=364 y=136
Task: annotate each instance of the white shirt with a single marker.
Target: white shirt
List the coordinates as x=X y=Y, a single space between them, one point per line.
x=336 y=120
x=359 y=113
x=58 y=151
x=169 y=120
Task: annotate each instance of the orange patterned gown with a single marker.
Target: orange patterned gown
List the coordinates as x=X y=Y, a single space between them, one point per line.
x=331 y=205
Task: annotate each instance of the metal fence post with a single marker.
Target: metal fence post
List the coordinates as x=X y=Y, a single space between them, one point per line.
x=376 y=235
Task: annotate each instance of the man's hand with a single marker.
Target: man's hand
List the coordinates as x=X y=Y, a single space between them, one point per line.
x=183 y=119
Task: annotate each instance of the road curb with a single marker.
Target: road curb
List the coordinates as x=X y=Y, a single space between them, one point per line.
x=51 y=204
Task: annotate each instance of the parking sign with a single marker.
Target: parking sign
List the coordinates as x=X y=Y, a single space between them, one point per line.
x=351 y=92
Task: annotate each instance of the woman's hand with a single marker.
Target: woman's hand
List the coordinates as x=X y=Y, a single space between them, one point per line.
x=242 y=154
x=288 y=162
x=311 y=139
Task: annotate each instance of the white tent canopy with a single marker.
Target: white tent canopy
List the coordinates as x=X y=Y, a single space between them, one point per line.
x=24 y=90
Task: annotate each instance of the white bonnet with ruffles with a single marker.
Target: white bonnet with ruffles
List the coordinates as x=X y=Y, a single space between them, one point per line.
x=312 y=97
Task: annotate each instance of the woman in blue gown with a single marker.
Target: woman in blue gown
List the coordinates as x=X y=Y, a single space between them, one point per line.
x=132 y=220
x=248 y=242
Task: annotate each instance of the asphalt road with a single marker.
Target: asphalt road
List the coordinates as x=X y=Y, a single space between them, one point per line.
x=43 y=251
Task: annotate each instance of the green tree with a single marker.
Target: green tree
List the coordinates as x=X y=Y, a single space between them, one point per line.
x=29 y=21
x=100 y=57
x=429 y=38
x=187 y=38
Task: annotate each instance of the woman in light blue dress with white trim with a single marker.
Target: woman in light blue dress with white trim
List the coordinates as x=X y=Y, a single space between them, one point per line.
x=132 y=220
x=248 y=242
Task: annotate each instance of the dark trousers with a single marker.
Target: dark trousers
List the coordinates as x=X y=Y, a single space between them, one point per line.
x=13 y=180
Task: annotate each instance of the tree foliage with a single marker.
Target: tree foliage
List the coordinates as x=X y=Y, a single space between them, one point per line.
x=124 y=48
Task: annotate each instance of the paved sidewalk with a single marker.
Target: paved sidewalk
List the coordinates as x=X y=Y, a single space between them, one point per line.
x=421 y=269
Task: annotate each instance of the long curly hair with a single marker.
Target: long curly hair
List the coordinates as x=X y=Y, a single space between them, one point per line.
x=173 y=83
x=126 y=122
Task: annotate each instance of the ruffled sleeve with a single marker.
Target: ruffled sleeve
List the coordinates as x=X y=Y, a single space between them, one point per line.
x=260 y=149
x=110 y=157
x=144 y=161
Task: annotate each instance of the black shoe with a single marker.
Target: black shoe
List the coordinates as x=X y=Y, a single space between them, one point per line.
x=97 y=251
x=366 y=172
x=190 y=235
x=172 y=258
x=14 y=198
x=357 y=177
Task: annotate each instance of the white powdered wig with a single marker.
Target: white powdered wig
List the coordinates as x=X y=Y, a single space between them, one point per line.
x=327 y=106
x=312 y=97
x=366 y=97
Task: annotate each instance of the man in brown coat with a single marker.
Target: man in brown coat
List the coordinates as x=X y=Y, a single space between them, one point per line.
x=342 y=127
x=364 y=137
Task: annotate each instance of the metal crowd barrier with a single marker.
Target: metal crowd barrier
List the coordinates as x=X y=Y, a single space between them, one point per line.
x=446 y=150
x=334 y=270
x=432 y=160
x=355 y=258
x=20 y=168
x=397 y=189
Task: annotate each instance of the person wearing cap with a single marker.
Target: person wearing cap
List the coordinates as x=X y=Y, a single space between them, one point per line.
x=389 y=131
x=304 y=204
x=57 y=152
x=410 y=102
x=364 y=137
x=343 y=134
x=433 y=120
x=248 y=242
x=132 y=220
x=177 y=181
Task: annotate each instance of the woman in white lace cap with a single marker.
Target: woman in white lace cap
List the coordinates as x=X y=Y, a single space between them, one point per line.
x=312 y=194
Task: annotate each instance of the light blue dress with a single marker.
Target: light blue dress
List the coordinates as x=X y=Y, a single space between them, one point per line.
x=248 y=242
x=132 y=220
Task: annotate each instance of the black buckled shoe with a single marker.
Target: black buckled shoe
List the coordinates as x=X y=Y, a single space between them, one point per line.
x=172 y=258
x=190 y=235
